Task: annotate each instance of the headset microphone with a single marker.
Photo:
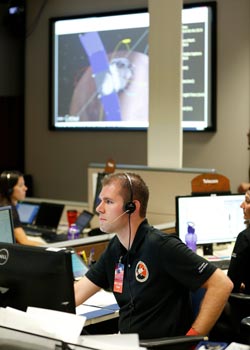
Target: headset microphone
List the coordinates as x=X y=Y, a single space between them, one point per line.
x=118 y=217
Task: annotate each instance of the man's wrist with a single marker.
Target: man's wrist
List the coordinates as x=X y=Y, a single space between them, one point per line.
x=192 y=331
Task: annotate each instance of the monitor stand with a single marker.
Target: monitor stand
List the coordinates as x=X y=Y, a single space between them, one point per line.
x=207 y=249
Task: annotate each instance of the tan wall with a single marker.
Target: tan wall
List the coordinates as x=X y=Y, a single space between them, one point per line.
x=59 y=161
x=163 y=185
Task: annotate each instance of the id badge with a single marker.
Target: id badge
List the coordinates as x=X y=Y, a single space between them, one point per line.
x=118 y=280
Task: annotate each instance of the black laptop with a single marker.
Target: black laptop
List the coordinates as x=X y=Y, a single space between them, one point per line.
x=46 y=221
x=83 y=220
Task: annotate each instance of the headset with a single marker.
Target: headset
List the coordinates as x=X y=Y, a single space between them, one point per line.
x=8 y=180
x=130 y=206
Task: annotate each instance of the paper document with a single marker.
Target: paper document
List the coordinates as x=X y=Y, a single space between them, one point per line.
x=112 y=342
x=49 y=323
x=101 y=299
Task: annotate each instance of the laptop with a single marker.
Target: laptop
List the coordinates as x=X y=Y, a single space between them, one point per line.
x=46 y=221
x=27 y=212
x=83 y=220
x=6 y=225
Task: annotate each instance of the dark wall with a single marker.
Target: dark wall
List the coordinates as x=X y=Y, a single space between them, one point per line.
x=12 y=87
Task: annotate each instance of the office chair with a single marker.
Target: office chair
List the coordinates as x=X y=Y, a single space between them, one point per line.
x=229 y=327
x=210 y=183
x=240 y=309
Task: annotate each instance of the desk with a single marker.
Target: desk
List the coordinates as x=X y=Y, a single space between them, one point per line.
x=102 y=313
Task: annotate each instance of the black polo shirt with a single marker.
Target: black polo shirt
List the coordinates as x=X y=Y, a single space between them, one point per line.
x=238 y=270
x=159 y=273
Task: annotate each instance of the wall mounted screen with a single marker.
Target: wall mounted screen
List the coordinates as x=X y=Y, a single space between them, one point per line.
x=99 y=70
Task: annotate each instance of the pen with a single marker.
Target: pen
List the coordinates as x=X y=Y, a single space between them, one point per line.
x=91 y=254
x=84 y=256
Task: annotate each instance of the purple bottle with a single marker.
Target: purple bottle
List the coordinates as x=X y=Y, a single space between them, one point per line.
x=73 y=232
x=191 y=237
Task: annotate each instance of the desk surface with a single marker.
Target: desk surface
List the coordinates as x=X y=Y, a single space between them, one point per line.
x=102 y=306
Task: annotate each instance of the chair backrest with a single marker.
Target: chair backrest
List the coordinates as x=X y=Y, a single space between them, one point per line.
x=210 y=183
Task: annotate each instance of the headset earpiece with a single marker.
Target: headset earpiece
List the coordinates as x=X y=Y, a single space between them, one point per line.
x=5 y=180
x=130 y=206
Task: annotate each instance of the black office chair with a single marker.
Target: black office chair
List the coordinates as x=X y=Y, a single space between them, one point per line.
x=240 y=304
x=229 y=327
x=240 y=309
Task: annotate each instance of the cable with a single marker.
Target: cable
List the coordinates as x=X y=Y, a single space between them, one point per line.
x=128 y=268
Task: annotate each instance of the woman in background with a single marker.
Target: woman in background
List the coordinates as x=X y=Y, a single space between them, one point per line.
x=13 y=190
x=238 y=270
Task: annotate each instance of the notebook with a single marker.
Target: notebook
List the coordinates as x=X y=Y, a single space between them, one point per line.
x=27 y=212
x=47 y=220
x=6 y=225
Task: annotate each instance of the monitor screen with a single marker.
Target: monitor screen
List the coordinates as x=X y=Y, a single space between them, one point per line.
x=36 y=276
x=216 y=218
x=99 y=70
x=6 y=225
x=27 y=212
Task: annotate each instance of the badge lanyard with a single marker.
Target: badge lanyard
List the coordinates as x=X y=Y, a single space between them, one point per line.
x=119 y=276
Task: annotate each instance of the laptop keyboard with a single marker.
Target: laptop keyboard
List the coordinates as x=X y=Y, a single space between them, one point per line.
x=49 y=235
x=38 y=231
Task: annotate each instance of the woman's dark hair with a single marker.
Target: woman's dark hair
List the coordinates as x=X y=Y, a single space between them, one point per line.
x=8 y=180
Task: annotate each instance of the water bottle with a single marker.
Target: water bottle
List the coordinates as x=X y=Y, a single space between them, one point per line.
x=73 y=232
x=191 y=237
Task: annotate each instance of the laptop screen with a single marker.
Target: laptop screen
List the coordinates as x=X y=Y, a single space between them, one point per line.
x=84 y=219
x=27 y=212
x=6 y=225
x=49 y=215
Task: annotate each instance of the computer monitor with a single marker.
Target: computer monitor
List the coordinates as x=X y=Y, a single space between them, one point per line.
x=36 y=276
x=216 y=218
x=6 y=225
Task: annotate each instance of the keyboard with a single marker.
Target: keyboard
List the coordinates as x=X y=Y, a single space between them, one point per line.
x=222 y=264
x=49 y=235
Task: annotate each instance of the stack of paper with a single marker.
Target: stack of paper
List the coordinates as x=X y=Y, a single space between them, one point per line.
x=49 y=323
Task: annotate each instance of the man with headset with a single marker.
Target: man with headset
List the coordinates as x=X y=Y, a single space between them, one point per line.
x=150 y=273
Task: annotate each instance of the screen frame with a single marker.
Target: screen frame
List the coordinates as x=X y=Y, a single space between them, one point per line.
x=212 y=74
